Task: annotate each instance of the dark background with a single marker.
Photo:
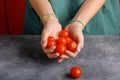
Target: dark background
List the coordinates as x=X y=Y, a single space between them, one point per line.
x=12 y=16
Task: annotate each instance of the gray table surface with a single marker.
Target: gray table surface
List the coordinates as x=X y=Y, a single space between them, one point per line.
x=21 y=58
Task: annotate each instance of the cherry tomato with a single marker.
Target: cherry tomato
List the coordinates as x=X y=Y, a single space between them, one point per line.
x=51 y=43
x=68 y=39
x=51 y=38
x=72 y=46
x=60 y=48
x=75 y=72
x=64 y=33
x=61 y=40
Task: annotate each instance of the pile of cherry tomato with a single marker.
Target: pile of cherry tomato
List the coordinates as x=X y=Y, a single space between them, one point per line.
x=63 y=43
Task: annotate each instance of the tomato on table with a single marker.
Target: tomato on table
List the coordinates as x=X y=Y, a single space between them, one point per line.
x=75 y=72
x=64 y=33
x=72 y=46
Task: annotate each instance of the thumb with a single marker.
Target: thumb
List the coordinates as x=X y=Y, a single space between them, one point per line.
x=80 y=42
x=79 y=47
x=44 y=40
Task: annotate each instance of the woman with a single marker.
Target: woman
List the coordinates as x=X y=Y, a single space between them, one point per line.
x=88 y=17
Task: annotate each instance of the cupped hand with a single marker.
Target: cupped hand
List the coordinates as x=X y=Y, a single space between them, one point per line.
x=51 y=28
x=75 y=29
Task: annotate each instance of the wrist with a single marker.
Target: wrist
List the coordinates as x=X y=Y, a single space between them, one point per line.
x=78 y=22
x=75 y=23
x=49 y=18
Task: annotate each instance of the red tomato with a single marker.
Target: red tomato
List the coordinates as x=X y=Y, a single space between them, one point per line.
x=68 y=39
x=51 y=38
x=64 y=33
x=60 y=48
x=72 y=46
x=61 y=40
x=75 y=72
x=50 y=44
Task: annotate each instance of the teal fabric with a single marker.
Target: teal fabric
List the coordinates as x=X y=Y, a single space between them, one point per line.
x=32 y=23
x=105 y=22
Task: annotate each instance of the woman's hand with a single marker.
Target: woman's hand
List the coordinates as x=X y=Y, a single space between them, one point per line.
x=75 y=29
x=51 y=28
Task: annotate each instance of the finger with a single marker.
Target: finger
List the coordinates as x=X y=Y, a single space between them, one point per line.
x=53 y=55
x=50 y=50
x=60 y=60
x=78 y=47
x=64 y=57
x=81 y=41
x=44 y=39
x=46 y=50
x=71 y=54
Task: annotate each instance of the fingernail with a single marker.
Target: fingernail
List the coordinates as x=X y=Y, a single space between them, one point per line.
x=51 y=49
x=67 y=52
x=57 y=54
x=59 y=61
x=62 y=56
x=79 y=50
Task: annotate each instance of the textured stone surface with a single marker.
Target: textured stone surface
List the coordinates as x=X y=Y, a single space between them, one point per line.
x=21 y=58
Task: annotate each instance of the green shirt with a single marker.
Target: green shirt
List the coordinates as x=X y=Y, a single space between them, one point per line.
x=105 y=22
